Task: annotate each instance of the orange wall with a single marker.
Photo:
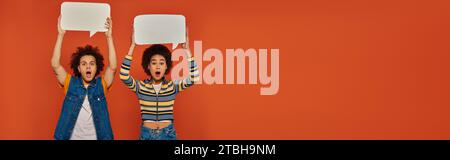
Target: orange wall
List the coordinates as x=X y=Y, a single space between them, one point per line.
x=348 y=69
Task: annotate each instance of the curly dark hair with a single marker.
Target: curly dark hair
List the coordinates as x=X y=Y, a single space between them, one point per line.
x=84 y=51
x=156 y=49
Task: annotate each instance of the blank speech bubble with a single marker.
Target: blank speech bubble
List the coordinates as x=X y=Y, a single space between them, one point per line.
x=160 y=29
x=79 y=16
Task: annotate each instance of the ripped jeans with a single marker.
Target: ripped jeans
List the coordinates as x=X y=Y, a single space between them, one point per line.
x=167 y=133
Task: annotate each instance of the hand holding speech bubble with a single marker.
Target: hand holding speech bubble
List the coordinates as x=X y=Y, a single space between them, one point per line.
x=80 y=16
x=160 y=29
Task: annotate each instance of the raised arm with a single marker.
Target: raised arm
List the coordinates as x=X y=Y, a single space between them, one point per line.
x=111 y=69
x=126 y=66
x=55 y=61
x=193 y=68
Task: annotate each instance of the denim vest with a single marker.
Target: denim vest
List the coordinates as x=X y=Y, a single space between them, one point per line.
x=72 y=105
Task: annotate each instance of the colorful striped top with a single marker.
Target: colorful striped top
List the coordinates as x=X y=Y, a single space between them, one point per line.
x=157 y=107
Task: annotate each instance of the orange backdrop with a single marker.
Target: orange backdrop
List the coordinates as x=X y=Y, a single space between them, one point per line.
x=348 y=69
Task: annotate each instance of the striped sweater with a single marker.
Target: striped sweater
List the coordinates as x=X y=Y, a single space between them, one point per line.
x=157 y=107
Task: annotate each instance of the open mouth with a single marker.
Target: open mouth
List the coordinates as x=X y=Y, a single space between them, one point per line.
x=158 y=73
x=88 y=74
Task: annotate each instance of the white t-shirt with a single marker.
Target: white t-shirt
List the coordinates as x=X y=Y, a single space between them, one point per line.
x=157 y=87
x=84 y=127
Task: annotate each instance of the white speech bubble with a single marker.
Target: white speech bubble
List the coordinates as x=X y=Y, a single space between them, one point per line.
x=160 y=29
x=78 y=16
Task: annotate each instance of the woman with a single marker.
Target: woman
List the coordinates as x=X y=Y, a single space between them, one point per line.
x=156 y=94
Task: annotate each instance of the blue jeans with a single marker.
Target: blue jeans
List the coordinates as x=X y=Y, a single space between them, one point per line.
x=167 y=133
